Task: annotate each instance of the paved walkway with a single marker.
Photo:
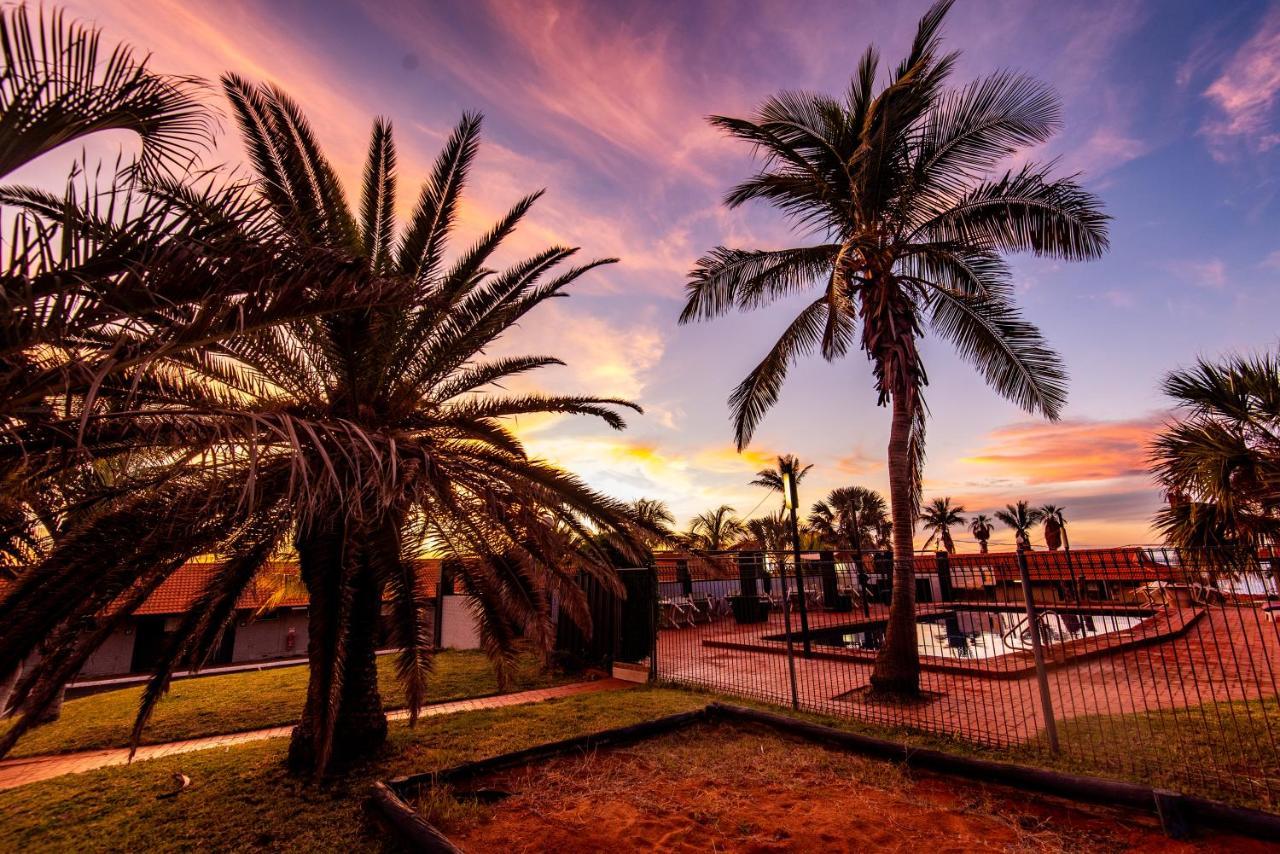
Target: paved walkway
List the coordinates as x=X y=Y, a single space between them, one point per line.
x=30 y=769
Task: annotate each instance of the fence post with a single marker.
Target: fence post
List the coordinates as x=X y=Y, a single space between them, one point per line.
x=1042 y=675
x=786 y=622
x=943 y=561
x=653 y=624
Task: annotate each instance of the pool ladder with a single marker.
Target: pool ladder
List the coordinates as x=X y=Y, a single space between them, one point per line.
x=1018 y=636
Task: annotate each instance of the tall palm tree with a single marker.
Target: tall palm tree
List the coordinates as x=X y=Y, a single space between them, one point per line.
x=1219 y=459
x=980 y=526
x=771 y=478
x=851 y=517
x=715 y=530
x=358 y=439
x=1021 y=517
x=1055 y=527
x=938 y=517
x=895 y=183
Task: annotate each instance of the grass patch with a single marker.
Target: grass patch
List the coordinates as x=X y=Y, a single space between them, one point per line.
x=235 y=702
x=242 y=799
x=1221 y=751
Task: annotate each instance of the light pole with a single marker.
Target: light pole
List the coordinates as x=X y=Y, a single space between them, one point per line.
x=789 y=498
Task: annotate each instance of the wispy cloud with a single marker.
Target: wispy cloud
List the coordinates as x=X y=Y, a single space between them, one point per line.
x=1245 y=94
x=1066 y=452
x=1208 y=273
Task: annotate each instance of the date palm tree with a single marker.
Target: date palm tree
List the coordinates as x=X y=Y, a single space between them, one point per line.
x=59 y=84
x=715 y=530
x=1219 y=459
x=1055 y=527
x=981 y=527
x=359 y=440
x=938 y=518
x=1021 y=517
x=894 y=181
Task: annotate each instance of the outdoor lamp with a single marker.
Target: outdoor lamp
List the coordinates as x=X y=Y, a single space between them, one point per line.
x=788 y=491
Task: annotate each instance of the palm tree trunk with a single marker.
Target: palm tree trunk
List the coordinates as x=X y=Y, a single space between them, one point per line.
x=360 y=725
x=897 y=669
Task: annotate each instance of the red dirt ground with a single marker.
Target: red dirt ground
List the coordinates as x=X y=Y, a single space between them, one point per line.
x=745 y=789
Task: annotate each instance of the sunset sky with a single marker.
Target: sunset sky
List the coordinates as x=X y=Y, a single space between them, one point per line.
x=1172 y=115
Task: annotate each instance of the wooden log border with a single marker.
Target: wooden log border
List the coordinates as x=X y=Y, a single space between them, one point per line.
x=389 y=805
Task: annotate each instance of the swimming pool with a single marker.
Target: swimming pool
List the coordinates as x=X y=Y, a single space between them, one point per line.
x=979 y=633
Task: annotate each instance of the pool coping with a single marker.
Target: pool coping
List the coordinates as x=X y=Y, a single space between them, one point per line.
x=1157 y=628
x=1177 y=813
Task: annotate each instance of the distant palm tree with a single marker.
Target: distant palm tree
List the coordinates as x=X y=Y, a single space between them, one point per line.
x=715 y=530
x=1219 y=461
x=980 y=526
x=896 y=184
x=653 y=512
x=359 y=439
x=938 y=516
x=771 y=478
x=771 y=533
x=1055 y=527
x=851 y=517
x=1021 y=517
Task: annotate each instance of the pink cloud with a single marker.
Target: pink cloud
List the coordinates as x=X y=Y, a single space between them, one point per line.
x=1245 y=94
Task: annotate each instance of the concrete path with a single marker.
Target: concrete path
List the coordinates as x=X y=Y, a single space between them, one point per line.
x=30 y=769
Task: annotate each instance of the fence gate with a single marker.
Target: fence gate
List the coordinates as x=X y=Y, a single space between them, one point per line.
x=622 y=628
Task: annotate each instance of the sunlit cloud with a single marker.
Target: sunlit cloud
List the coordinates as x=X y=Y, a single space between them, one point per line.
x=1066 y=452
x=1245 y=94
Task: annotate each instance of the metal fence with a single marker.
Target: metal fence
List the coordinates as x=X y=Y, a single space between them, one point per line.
x=1145 y=663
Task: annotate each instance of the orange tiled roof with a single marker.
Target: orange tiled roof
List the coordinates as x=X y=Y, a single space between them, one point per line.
x=182 y=589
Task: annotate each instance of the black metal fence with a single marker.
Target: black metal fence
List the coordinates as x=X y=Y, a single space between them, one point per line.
x=1146 y=663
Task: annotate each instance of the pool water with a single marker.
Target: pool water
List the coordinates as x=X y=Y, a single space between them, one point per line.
x=977 y=634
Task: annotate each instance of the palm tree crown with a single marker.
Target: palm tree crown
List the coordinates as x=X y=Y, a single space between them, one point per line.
x=1219 y=461
x=361 y=439
x=895 y=182
x=715 y=530
x=771 y=478
x=938 y=517
x=981 y=526
x=1021 y=517
x=1055 y=526
x=851 y=517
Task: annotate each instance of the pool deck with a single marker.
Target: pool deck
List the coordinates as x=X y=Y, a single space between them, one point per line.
x=1217 y=654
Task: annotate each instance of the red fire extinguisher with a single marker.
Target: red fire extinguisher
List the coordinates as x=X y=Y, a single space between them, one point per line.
x=290 y=640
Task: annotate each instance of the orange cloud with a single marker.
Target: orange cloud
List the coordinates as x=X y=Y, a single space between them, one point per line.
x=1069 y=451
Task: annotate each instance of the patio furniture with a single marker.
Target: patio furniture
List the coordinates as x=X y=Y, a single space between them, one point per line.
x=674 y=612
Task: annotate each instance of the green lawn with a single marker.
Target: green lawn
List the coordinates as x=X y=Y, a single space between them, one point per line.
x=242 y=799
x=213 y=705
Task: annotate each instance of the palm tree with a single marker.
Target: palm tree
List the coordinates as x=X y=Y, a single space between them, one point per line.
x=938 y=518
x=912 y=232
x=770 y=533
x=771 y=478
x=851 y=517
x=1055 y=527
x=1219 y=460
x=715 y=530
x=981 y=527
x=358 y=439
x=55 y=88
x=1021 y=517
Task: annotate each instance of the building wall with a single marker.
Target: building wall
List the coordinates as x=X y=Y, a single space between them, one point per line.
x=113 y=657
x=458 y=628
x=259 y=640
